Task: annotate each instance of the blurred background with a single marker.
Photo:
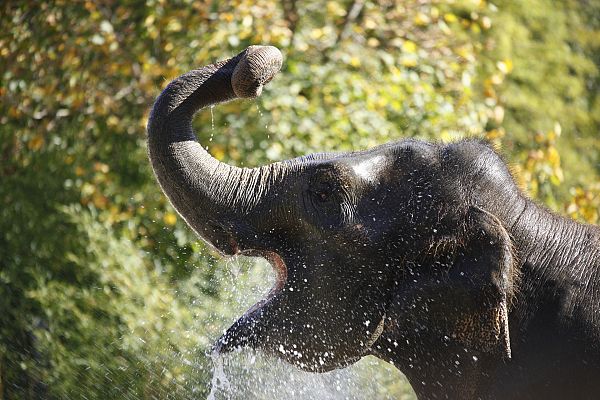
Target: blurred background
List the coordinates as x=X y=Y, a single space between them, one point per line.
x=104 y=291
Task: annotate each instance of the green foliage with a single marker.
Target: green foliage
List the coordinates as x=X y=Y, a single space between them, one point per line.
x=541 y=59
x=104 y=291
x=133 y=301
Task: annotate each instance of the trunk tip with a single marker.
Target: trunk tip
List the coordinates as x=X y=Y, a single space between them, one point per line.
x=256 y=67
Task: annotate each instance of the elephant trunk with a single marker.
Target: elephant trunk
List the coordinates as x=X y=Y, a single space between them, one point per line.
x=213 y=197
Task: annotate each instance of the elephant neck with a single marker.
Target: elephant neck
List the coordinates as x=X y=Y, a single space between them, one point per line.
x=552 y=244
x=556 y=258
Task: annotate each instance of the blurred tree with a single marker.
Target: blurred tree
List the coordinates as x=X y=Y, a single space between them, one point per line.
x=541 y=69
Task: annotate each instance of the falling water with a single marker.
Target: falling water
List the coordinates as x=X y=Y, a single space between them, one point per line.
x=251 y=375
x=254 y=376
x=260 y=113
x=219 y=383
x=212 y=123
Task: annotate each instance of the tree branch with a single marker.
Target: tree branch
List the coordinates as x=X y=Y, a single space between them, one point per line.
x=290 y=13
x=353 y=12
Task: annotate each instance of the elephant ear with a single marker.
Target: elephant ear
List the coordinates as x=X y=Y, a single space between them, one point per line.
x=482 y=279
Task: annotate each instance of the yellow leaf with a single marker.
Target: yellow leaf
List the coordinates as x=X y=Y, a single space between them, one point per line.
x=409 y=46
x=539 y=138
x=465 y=52
x=370 y=23
x=316 y=33
x=421 y=19
x=334 y=8
x=409 y=62
x=170 y=219
x=553 y=156
x=494 y=134
x=445 y=135
x=449 y=17
x=112 y=121
x=218 y=152
x=505 y=66
x=36 y=143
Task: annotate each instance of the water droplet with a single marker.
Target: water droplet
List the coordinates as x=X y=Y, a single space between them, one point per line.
x=212 y=123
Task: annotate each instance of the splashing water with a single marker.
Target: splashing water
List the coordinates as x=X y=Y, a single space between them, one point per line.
x=212 y=123
x=252 y=375
x=219 y=383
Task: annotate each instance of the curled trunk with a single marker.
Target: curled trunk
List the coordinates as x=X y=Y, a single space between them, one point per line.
x=213 y=197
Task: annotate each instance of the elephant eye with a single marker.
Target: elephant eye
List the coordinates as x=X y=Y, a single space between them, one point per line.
x=322 y=196
x=325 y=203
x=322 y=191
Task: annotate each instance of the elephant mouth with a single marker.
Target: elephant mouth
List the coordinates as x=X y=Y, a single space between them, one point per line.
x=244 y=332
x=260 y=328
x=280 y=270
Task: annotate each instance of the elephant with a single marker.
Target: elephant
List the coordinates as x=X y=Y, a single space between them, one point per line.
x=426 y=255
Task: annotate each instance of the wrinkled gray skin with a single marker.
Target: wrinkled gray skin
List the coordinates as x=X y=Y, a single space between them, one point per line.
x=425 y=255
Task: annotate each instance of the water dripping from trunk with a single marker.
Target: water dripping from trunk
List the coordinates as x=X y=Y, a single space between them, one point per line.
x=260 y=113
x=212 y=123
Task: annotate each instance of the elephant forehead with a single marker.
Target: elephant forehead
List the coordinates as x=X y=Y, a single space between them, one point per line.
x=369 y=168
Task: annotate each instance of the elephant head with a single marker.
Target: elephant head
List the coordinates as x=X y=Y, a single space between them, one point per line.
x=363 y=243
